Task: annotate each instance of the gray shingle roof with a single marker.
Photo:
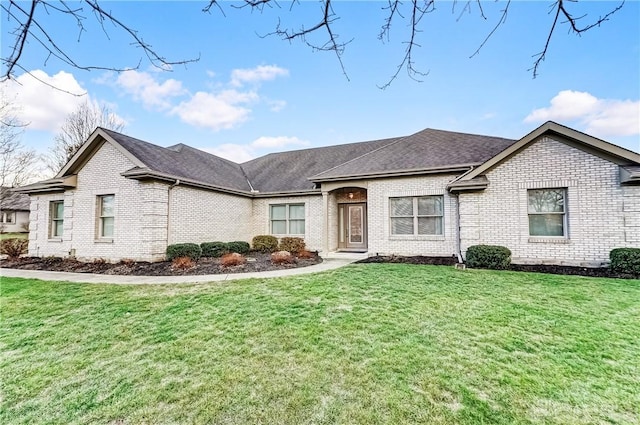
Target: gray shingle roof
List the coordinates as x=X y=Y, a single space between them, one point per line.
x=12 y=201
x=184 y=161
x=427 y=149
x=289 y=171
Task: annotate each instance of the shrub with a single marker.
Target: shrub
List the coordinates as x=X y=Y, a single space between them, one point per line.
x=232 y=259
x=14 y=247
x=488 y=257
x=129 y=262
x=214 y=249
x=282 y=257
x=293 y=245
x=305 y=254
x=190 y=250
x=625 y=260
x=240 y=247
x=265 y=243
x=182 y=263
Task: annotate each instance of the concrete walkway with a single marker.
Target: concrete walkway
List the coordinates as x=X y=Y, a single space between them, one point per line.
x=327 y=264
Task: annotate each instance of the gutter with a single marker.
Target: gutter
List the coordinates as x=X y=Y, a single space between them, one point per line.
x=398 y=173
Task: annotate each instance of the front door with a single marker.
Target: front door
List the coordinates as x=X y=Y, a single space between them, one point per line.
x=353 y=226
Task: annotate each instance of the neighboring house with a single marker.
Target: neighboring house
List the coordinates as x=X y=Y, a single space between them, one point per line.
x=554 y=196
x=14 y=211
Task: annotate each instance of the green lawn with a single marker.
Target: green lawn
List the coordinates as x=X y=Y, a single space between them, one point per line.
x=4 y=236
x=365 y=344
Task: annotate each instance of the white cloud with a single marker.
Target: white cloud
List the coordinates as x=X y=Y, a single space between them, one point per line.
x=276 y=105
x=277 y=142
x=233 y=152
x=145 y=88
x=214 y=111
x=42 y=106
x=600 y=117
x=257 y=74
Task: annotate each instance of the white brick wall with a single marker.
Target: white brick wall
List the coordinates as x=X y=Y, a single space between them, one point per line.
x=203 y=216
x=601 y=214
x=380 y=238
x=134 y=214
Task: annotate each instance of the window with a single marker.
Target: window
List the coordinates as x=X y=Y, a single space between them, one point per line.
x=106 y=216
x=287 y=219
x=547 y=212
x=56 y=214
x=418 y=215
x=7 y=217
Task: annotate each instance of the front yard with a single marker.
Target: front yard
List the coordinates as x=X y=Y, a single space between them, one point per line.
x=366 y=344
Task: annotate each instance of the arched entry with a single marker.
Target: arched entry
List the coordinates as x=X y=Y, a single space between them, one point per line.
x=352 y=219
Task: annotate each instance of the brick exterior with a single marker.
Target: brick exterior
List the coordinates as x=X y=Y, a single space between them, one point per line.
x=601 y=214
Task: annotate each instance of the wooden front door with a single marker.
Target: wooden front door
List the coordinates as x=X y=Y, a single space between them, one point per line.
x=353 y=227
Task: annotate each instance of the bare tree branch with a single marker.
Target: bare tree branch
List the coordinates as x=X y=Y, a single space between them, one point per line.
x=29 y=27
x=76 y=129
x=560 y=9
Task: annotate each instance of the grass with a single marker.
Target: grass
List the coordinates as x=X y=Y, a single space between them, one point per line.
x=365 y=344
x=4 y=236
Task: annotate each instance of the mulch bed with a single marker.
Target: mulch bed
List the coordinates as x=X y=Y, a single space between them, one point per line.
x=257 y=262
x=550 y=269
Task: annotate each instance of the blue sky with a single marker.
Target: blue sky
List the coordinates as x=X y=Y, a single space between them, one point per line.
x=248 y=95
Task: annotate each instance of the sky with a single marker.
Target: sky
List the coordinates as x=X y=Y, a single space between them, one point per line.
x=250 y=93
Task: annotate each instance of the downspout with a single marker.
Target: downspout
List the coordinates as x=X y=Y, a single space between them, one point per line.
x=458 y=237
x=169 y=209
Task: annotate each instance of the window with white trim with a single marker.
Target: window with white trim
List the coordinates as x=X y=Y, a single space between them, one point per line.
x=56 y=219
x=417 y=215
x=106 y=215
x=547 y=209
x=8 y=217
x=287 y=219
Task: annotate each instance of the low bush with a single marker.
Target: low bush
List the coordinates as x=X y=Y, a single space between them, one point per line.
x=265 y=243
x=282 y=257
x=293 y=245
x=488 y=257
x=214 y=249
x=14 y=247
x=625 y=260
x=241 y=247
x=190 y=250
x=305 y=254
x=232 y=259
x=182 y=263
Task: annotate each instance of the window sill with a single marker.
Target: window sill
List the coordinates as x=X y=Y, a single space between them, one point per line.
x=416 y=238
x=287 y=236
x=54 y=240
x=104 y=240
x=542 y=239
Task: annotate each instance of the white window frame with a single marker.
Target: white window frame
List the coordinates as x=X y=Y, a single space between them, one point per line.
x=287 y=220
x=563 y=213
x=415 y=216
x=8 y=217
x=54 y=219
x=101 y=216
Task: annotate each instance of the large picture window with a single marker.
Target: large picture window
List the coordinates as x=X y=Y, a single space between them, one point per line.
x=106 y=216
x=417 y=215
x=547 y=212
x=287 y=219
x=56 y=214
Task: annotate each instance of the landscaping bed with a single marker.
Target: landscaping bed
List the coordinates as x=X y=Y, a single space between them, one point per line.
x=256 y=262
x=548 y=268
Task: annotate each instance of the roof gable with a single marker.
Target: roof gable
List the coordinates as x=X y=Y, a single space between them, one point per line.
x=568 y=135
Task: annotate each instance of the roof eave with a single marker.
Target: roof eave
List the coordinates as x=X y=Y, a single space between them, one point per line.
x=146 y=174
x=51 y=185
x=397 y=173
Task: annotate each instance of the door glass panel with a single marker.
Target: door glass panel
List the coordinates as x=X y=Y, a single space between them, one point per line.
x=355 y=224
